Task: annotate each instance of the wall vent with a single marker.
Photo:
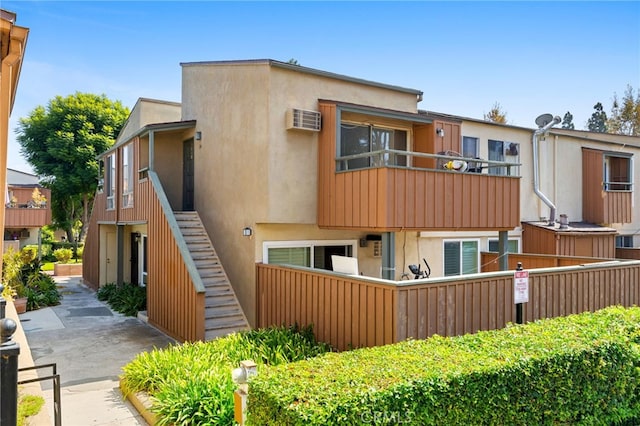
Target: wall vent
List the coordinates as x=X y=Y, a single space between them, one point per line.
x=302 y=119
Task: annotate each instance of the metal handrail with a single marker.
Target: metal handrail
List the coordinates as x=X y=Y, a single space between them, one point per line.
x=55 y=377
x=394 y=153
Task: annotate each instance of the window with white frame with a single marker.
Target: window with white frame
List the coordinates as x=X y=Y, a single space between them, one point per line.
x=513 y=246
x=461 y=257
x=127 y=176
x=110 y=180
x=617 y=172
x=143 y=255
x=362 y=139
x=624 y=241
x=508 y=152
x=312 y=254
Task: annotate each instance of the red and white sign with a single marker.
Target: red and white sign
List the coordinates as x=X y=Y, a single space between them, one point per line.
x=521 y=287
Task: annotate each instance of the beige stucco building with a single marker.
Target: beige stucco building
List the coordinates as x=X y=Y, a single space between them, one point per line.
x=265 y=162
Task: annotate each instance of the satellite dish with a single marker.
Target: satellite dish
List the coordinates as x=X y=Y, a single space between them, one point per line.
x=544 y=119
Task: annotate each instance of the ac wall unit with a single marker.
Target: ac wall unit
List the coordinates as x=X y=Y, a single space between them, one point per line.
x=302 y=119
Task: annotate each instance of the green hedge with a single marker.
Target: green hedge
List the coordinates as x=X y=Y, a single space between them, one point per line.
x=580 y=369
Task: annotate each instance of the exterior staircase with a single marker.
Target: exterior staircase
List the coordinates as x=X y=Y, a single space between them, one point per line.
x=223 y=313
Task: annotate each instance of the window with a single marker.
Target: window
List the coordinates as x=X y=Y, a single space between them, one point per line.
x=470 y=147
x=144 y=270
x=312 y=254
x=110 y=180
x=617 y=172
x=461 y=257
x=127 y=176
x=624 y=241
x=512 y=246
x=508 y=152
x=362 y=139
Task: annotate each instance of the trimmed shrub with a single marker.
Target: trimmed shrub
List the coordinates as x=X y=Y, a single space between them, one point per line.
x=191 y=383
x=63 y=255
x=22 y=275
x=580 y=369
x=128 y=299
x=45 y=249
x=41 y=291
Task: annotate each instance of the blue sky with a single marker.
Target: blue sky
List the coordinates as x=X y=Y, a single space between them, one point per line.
x=531 y=57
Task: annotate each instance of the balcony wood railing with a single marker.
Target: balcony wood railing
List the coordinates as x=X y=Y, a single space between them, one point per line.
x=489 y=261
x=390 y=197
x=355 y=311
x=26 y=217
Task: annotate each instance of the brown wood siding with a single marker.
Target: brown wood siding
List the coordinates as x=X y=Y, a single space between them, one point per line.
x=592 y=190
x=618 y=207
x=344 y=310
x=489 y=261
x=23 y=216
x=423 y=142
x=628 y=253
x=91 y=251
x=600 y=206
x=396 y=198
x=26 y=217
x=173 y=304
x=140 y=209
x=539 y=240
x=393 y=199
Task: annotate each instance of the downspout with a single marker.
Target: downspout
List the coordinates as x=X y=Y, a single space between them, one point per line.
x=536 y=166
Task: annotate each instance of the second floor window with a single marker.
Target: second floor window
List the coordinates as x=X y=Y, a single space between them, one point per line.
x=110 y=181
x=362 y=139
x=617 y=173
x=127 y=176
x=508 y=152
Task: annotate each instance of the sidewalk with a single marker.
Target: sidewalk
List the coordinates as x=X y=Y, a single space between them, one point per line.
x=90 y=344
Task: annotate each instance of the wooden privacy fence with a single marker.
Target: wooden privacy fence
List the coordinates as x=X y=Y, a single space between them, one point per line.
x=356 y=311
x=489 y=260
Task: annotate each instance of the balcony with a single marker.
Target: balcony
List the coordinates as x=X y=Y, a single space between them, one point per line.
x=26 y=217
x=607 y=187
x=383 y=171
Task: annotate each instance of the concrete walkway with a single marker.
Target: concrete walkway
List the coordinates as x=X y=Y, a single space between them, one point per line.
x=90 y=344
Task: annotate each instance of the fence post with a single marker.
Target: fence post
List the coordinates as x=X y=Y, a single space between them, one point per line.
x=240 y=376
x=9 y=351
x=519 y=305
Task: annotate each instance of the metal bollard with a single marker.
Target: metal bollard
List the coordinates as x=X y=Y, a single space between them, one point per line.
x=240 y=376
x=9 y=351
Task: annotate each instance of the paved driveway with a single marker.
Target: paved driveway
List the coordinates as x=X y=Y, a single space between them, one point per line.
x=90 y=344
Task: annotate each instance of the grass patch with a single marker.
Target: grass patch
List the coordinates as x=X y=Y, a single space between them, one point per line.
x=28 y=405
x=47 y=266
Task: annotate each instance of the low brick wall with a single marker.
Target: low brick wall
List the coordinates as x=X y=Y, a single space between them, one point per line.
x=67 y=269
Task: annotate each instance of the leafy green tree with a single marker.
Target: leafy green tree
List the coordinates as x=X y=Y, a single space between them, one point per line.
x=567 y=121
x=61 y=142
x=496 y=114
x=625 y=114
x=598 y=120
